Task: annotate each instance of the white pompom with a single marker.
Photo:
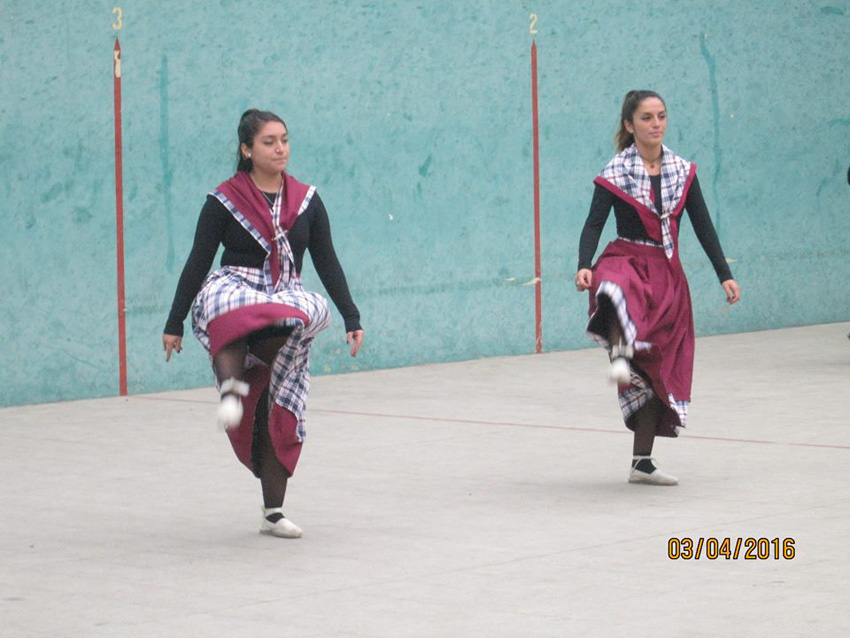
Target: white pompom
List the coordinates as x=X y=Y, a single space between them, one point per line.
x=229 y=412
x=620 y=371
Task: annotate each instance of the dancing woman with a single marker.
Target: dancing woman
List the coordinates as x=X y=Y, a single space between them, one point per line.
x=640 y=304
x=252 y=315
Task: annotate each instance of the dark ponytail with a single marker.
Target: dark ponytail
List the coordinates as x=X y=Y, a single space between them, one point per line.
x=623 y=139
x=250 y=124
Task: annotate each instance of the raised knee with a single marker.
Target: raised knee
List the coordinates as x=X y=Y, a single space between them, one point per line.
x=322 y=316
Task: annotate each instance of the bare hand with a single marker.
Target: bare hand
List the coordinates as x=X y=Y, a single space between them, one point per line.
x=733 y=291
x=355 y=340
x=171 y=342
x=584 y=279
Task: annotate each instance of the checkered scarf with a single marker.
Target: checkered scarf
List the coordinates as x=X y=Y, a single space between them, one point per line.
x=627 y=174
x=269 y=226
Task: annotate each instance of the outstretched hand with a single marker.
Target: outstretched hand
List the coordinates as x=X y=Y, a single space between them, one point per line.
x=355 y=340
x=733 y=291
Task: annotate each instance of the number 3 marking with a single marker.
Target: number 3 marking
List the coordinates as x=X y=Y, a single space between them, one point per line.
x=532 y=28
x=119 y=19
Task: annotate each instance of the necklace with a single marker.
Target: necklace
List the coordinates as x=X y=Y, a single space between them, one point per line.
x=651 y=162
x=269 y=198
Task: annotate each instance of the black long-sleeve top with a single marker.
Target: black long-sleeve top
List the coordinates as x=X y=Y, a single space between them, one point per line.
x=216 y=225
x=629 y=225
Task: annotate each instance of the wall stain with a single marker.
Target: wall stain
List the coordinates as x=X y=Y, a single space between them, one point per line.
x=837 y=171
x=53 y=193
x=81 y=215
x=715 y=113
x=834 y=11
x=82 y=160
x=167 y=172
x=423 y=170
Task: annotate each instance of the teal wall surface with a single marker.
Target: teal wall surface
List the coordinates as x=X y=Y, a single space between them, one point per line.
x=414 y=120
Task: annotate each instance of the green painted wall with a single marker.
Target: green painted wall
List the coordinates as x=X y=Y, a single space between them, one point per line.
x=414 y=121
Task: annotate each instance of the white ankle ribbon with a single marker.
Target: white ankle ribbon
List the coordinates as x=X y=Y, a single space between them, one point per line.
x=234 y=386
x=626 y=351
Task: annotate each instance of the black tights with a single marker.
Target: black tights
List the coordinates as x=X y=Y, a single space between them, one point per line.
x=610 y=321
x=264 y=344
x=645 y=422
x=646 y=419
x=273 y=476
x=230 y=363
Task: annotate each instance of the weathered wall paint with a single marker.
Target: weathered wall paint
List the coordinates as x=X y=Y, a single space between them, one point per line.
x=414 y=121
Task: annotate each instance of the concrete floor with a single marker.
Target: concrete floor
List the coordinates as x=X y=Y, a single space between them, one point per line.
x=485 y=498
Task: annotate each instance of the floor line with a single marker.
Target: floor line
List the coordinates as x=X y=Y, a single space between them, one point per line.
x=538 y=426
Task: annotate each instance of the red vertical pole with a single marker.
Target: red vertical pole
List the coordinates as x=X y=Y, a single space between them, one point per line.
x=119 y=221
x=538 y=292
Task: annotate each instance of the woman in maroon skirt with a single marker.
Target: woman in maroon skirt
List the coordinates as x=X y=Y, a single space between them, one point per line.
x=252 y=315
x=640 y=305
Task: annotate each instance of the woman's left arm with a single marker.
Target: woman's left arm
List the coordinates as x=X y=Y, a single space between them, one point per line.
x=707 y=236
x=330 y=272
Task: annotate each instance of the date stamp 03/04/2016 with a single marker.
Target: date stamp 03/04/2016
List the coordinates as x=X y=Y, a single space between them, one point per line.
x=687 y=548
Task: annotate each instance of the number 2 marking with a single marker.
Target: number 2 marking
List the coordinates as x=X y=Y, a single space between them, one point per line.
x=532 y=28
x=119 y=18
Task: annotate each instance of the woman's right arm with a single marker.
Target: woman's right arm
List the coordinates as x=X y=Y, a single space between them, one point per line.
x=600 y=208
x=209 y=233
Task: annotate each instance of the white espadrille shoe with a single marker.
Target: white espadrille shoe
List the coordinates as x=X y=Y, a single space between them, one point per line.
x=282 y=528
x=620 y=371
x=655 y=477
x=230 y=409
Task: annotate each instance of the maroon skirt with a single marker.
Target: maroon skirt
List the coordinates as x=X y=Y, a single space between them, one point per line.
x=653 y=304
x=282 y=429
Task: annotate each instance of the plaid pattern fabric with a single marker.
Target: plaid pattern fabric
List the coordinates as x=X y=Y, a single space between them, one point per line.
x=280 y=238
x=639 y=392
x=626 y=172
x=618 y=300
x=232 y=287
x=635 y=396
x=281 y=234
x=681 y=408
x=290 y=378
x=242 y=220
x=641 y=242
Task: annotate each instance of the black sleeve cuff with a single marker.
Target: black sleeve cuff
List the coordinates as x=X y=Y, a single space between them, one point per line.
x=173 y=327
x=352 y=324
